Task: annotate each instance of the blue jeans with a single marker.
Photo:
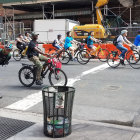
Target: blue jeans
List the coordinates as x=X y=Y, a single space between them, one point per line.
x=122 y=49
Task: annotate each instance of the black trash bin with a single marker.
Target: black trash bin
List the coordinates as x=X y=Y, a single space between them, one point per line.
x=58 y=104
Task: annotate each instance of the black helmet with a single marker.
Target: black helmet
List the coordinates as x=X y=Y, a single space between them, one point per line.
x=59 y=35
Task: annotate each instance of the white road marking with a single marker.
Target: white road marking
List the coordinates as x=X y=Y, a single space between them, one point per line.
x=36 y=98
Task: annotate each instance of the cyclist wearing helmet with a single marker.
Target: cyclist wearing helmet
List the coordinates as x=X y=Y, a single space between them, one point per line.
x=120 y=41
x=58 y=44
x=137 y=41
x=5 y=55
x=36 y=56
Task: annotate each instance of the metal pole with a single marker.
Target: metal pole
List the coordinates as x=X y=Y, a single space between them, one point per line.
x=130 y=17
x=43 y=11
x=53 y=11
x=13 y=23
x=93 y=12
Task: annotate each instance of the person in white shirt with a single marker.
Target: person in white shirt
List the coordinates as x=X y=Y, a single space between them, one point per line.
x=58 y=44
x=120 y=41
x=27 y=38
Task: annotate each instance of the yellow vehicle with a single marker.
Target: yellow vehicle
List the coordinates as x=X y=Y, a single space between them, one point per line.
x=81 y=32
x=102 y=28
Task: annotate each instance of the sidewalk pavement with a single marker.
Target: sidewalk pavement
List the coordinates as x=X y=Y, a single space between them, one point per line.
x=84 y=130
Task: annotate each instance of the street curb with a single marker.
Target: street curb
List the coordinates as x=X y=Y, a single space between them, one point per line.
x=38 y=118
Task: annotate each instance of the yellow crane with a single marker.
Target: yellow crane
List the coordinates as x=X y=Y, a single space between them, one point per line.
x=100 y=29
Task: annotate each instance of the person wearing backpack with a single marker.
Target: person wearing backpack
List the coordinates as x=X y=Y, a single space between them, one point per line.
x=121 y=39
x=90 y=42
x=58 y=44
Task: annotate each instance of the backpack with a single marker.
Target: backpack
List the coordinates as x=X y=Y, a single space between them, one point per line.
x=86 y=40
x=54 y=43
x=115 y=40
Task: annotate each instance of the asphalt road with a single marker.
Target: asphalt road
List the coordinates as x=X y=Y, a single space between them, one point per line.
x=102 y=93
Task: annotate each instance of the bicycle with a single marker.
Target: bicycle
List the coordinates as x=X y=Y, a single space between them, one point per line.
x=80 y=54
x=17 y=55
x=132 y=57
x=27 y=74
x=100 y=53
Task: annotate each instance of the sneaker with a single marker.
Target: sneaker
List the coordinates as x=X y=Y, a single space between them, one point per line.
x=122 y=62
x=0 y=97
x=121 y=58
x=92 y=56
x=74 y=59
x=39 y=82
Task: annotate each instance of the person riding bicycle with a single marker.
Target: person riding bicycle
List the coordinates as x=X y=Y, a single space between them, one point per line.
x=5 y=55
x=119 y=44
x=137 y=41
x=90 y=43
x=20 y=43
x=58 y=44
x=68 y=44
x=27 y=38
x=36 y=56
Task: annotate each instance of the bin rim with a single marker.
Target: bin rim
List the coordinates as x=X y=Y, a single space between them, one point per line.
x=57 y=86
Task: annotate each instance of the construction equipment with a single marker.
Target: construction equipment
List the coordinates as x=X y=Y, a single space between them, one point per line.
x=107 y=25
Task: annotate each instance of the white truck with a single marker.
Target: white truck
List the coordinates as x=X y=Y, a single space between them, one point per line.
x=50 y=28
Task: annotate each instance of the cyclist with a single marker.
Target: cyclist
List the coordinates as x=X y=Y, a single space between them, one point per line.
x=90 y=42
x=68 y=44
x=58 y=43
x=137 y=41
x=36 y=56
x=27 y=38
x=5 y=55
x=120 y=41
x=20 y=43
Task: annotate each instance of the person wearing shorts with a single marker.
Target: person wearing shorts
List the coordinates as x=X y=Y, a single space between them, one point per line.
x=68 y=44
x=137 y=41
x=20 y=43
x=90 y=42
x=58 y=44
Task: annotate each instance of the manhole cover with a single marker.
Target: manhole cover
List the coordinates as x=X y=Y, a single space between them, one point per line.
x=10 y=127
x=113 y=88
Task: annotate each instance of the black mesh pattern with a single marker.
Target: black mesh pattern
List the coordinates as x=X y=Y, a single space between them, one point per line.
x=10 y=127
x=58 y=104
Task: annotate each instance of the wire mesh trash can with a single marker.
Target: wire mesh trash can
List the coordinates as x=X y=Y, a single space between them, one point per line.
x=57 y=104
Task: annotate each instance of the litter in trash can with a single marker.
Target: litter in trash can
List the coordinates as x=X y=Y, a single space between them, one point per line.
x=58 y=126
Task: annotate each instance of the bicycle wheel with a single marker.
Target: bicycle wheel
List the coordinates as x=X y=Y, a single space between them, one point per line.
x=129 y=55
x=134 y=60
x=27 y=76
x=17 y=55
x=113 y=60
x=64 y=57
x=83 y=57
x=57 y=78
x=102 y=55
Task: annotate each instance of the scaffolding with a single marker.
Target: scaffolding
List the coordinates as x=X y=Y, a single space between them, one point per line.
x=11 y=28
